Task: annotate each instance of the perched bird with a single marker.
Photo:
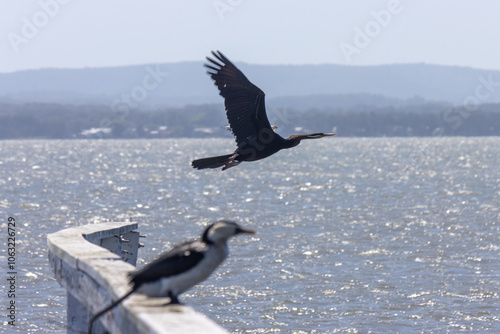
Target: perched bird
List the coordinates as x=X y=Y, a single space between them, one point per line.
x=246 y=113
x=184 y=266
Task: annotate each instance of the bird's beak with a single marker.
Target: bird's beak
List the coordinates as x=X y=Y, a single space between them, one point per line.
x=329 y=134
x=242 y=230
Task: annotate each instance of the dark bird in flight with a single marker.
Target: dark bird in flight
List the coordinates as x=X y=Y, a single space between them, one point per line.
x=181 y=268
x=246 y=113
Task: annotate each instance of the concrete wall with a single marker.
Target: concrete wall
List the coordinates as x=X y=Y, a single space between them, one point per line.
x=95 y=276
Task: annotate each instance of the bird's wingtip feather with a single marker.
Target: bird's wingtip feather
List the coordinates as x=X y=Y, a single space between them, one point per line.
x=220 y=56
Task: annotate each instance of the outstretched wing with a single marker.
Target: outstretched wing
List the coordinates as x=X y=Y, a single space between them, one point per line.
x=244 y=102
x=181 y=258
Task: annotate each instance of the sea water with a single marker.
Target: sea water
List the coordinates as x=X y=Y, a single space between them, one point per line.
x=354 y=235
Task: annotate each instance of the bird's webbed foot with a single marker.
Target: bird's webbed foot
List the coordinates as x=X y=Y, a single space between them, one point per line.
x=231 y=162
x=174 y=300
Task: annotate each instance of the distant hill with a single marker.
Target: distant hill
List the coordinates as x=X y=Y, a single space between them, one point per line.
x=294 y=86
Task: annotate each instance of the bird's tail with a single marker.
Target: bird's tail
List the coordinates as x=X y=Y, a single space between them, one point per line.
x=106 y=309
x=212 y=162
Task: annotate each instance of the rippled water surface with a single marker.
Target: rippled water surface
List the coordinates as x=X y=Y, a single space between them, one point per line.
x=385 y=235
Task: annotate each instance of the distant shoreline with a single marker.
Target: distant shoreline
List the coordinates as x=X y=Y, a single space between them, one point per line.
x=62 y=121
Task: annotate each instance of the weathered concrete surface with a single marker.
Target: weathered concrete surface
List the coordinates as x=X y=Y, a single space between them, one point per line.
x=95 y=276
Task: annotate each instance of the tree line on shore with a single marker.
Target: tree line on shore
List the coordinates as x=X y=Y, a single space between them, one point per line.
x=62 y=121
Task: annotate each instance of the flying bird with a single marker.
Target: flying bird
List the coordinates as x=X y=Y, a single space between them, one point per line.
x=182 y=267
x=246 y=114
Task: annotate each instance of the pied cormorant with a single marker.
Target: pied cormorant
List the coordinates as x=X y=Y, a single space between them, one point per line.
x=182 y=267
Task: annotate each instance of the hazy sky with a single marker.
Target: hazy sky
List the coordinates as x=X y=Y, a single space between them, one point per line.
x=91 y=33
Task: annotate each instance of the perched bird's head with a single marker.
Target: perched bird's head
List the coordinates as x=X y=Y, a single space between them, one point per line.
x=222 y=230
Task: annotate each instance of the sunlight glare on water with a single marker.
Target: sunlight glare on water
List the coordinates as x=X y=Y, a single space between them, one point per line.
x=353 y=235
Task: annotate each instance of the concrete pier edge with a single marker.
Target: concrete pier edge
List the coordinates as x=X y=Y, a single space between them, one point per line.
x=92 y=262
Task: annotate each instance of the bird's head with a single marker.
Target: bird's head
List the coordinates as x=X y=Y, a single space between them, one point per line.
x=222 y=230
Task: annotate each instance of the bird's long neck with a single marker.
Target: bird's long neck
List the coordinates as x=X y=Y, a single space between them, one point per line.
x=294 y=140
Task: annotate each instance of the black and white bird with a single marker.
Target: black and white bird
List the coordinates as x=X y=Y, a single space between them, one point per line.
x=182 y=267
